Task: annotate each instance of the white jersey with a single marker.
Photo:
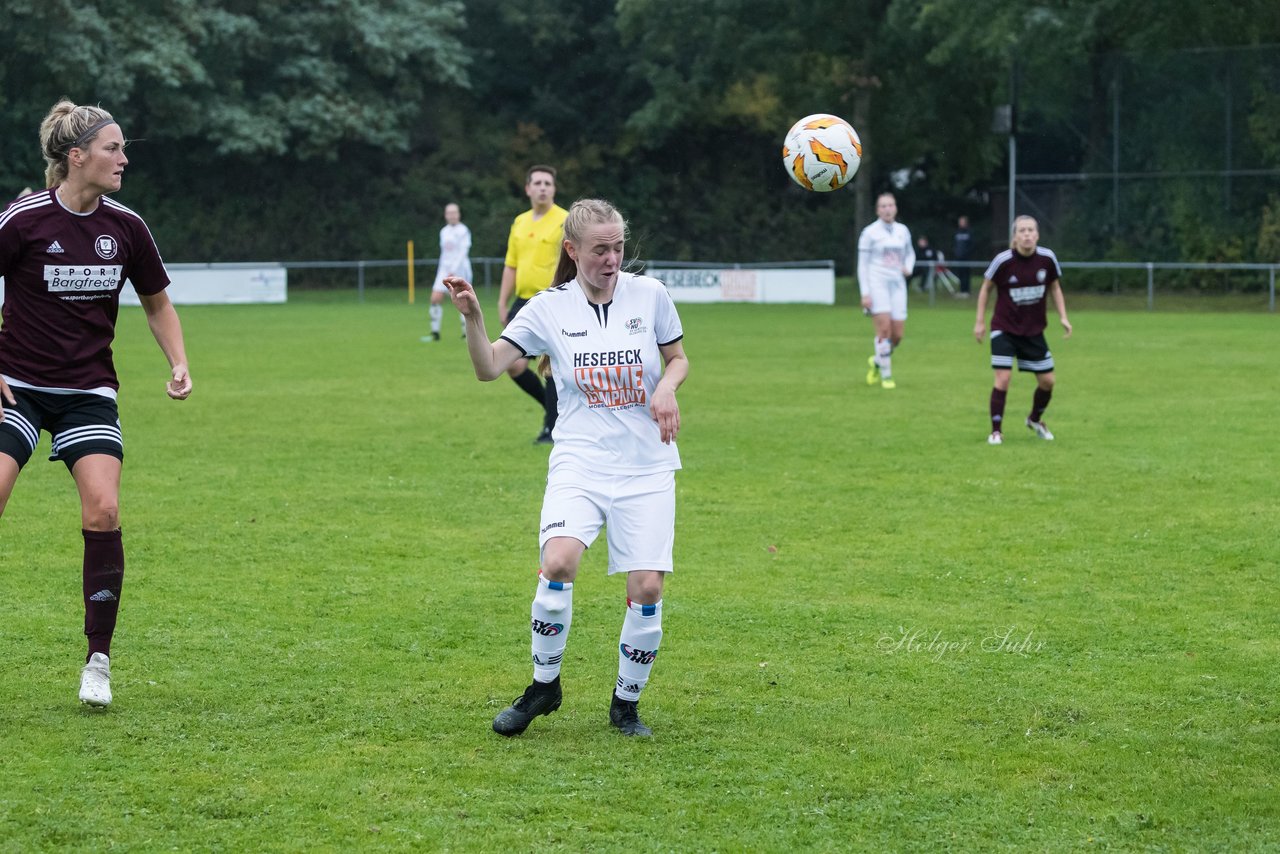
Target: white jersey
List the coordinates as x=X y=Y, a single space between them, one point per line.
x=455 y=248
x=606 y=364
x=884 y=252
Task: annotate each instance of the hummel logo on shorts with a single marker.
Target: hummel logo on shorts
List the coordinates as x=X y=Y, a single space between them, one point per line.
x=55 y=248
x=103 y=596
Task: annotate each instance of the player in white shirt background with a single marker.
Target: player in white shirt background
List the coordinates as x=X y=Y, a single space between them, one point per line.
x=455 y=260
x=885 y=260
x=616 y=354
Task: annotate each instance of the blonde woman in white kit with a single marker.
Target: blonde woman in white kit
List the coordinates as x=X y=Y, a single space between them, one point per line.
x=617 y=358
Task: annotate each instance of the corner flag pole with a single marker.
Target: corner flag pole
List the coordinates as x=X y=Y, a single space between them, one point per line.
x=410 y=272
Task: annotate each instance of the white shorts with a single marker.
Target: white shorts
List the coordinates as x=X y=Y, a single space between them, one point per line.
x=439 y=285
x=890 y=299
x=638 y=511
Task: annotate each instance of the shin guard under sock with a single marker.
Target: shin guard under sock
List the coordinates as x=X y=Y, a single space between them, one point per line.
x=637 y=648
x=997 y=408
x=1039 y=403
x=103 y=579
x=552 y=614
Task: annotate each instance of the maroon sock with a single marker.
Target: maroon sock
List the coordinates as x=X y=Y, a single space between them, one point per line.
x=1039 y=403
x=103 y=578
x=997 y=408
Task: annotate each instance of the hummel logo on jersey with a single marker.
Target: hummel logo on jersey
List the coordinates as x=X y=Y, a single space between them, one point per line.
x=568 y=334
x=55 y=248
x=103 y=596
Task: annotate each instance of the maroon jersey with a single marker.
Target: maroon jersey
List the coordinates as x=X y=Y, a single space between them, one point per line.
x=62 y=276
x=1021 y=284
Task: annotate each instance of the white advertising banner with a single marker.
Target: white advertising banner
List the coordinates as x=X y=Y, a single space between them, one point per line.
x=749 y=284
x=223 y=284
x=203 y=284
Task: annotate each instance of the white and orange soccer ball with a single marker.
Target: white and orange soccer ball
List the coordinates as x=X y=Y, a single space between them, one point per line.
x=822 y=152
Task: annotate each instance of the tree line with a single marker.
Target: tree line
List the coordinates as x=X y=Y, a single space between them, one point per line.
x=338 y=129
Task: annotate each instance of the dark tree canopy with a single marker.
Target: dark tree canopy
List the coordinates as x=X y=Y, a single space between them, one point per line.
x=339 y=128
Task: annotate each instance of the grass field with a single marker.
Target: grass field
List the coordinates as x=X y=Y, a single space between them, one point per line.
x=882 y=634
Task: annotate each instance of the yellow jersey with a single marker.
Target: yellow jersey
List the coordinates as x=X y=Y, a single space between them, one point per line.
x=533 y=248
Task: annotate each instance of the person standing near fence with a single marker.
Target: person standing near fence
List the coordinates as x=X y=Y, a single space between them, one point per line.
x=455 y=260
x=533 y=248
x=962 y=250
x=926 y=265
x=885 y=259
x=1023 y=276
x=65 y=252
x=615 y=345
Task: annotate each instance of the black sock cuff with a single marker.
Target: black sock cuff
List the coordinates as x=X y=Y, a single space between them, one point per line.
x=103 y=536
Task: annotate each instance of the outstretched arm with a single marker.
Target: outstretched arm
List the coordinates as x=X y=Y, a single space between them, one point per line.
x=489 y=360
x=167 y=329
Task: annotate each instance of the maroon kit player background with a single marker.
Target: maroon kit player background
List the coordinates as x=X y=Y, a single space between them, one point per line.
x=1021 y=285
x=62 y=294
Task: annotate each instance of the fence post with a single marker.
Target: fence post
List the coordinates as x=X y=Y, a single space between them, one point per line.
x=1151 y=286
x=360 y=280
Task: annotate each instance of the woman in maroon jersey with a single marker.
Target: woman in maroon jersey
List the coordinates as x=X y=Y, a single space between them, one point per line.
x=65 y=252
x=1023 y=276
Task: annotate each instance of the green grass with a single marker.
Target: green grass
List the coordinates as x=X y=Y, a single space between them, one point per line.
x=331 y=553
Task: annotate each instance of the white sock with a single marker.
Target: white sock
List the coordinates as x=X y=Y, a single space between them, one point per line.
x=552 y=613
x=638 y=647
x=436 y=312
x=883 y=349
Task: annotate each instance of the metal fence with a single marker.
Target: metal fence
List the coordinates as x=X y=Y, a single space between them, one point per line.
x=939 y=278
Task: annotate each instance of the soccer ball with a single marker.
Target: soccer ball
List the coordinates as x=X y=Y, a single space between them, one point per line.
x=822 y=152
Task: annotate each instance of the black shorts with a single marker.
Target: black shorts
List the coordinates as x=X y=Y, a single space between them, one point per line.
x=516 y=304
x=1031 y=351
x=80 y=424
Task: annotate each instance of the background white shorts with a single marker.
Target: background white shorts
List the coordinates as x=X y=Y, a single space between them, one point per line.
x=638 y=511
x=439 y=285
x=890 y=299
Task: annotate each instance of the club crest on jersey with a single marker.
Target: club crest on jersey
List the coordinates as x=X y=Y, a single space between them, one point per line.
x=633 y=326
x=105 y=246
x=1040 y=275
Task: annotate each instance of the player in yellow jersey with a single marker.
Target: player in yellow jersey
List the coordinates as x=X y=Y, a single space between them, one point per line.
x=533 y=248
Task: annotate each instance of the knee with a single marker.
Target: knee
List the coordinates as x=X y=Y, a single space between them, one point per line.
x=1045 y=381
x=102 y=515
x=647 y=590
x=557 y=566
